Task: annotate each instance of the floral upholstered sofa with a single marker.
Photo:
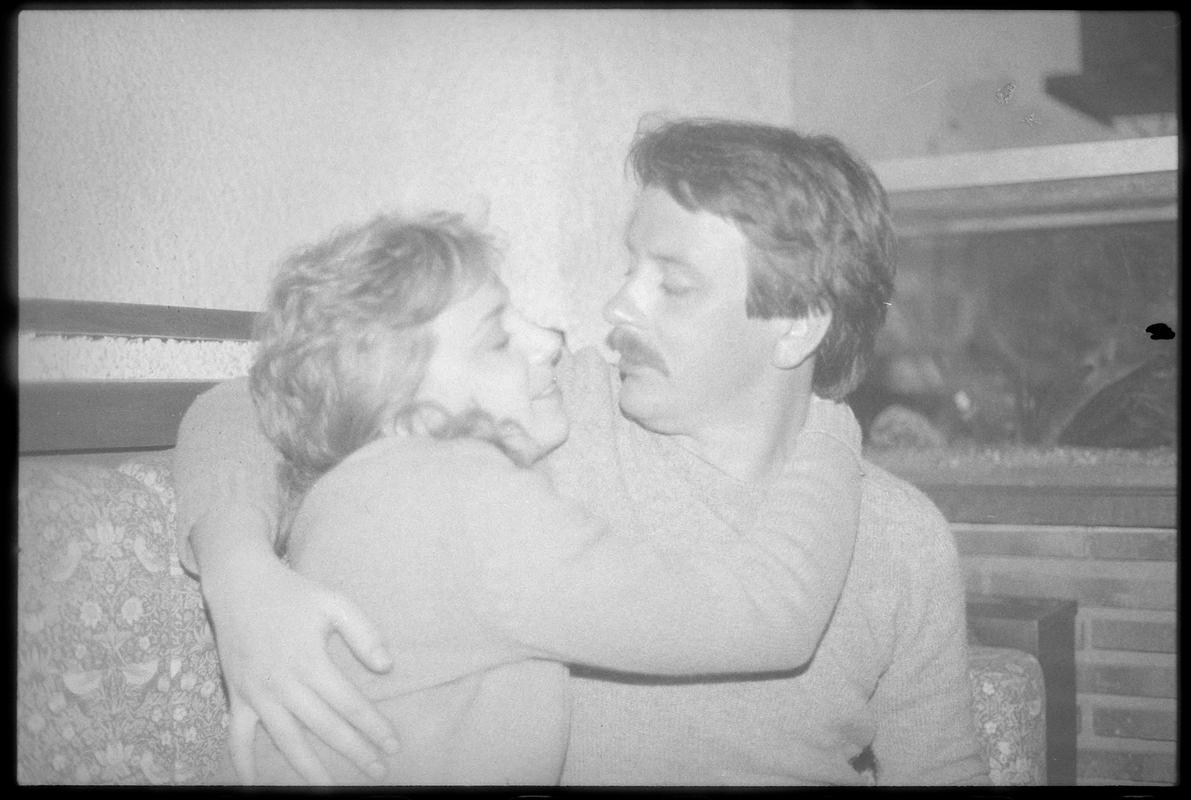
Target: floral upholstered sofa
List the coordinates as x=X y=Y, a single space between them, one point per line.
x=117 y=677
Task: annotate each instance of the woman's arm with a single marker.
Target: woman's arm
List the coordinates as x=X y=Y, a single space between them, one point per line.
x=553 y=578
x=271 y=625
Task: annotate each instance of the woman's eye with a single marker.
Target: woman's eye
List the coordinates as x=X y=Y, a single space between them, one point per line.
x=502 y=343
x=677 y=290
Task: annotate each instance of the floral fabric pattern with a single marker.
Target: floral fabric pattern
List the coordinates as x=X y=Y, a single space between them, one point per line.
x=117 y=677
x=1009 y=706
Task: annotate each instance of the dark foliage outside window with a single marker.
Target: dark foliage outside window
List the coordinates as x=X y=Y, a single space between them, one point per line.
x=1042 y=338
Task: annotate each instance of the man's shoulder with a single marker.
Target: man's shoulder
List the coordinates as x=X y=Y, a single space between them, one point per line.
x=904 y=544
x=895 y=508
x=881 y=485
x=588 y=390
x=585 y=376
x=589 y=358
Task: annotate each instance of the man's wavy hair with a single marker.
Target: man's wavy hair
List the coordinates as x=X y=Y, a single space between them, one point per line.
x=815 y=216
x=343 y=340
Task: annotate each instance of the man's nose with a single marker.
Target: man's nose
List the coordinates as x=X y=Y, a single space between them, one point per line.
x=622 y=307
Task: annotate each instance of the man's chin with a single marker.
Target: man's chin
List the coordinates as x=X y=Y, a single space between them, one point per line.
x=527 y=451
x=555 y=439
x=640 y=410
x=554 y=431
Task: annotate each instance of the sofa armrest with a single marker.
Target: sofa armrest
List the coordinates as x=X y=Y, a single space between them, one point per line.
x=1044 y=628
x=1009 y=708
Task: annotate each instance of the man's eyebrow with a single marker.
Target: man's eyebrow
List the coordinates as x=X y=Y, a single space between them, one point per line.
x=675 y=262
x=495 y=313
x=664 y=257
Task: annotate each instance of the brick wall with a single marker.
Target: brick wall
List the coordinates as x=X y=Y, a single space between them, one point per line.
x=1124 y=581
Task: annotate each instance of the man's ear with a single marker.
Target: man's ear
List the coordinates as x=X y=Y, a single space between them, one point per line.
x=801 y=339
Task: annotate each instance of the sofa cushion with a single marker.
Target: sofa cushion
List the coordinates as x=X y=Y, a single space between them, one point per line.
x=117 y=677
x=118 y=680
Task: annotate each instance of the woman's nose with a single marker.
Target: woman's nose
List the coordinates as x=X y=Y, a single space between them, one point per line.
x=539 y=344
x=549 y=348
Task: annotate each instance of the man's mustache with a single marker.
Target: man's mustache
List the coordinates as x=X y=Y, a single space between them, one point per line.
x=634 y=351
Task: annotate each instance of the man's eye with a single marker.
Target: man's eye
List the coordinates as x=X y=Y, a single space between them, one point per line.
x=677 y=289
x=502 y=343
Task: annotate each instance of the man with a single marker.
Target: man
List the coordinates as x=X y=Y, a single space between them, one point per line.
x=760 y=270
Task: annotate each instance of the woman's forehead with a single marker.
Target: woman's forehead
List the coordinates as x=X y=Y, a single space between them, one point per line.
x=485 y=298
x=492 y=290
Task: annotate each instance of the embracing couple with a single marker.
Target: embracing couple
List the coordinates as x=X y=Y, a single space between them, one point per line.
x=437 y=548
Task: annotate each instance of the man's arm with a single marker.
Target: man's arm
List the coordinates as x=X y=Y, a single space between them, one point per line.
x=792 y=562
x=925 y=730
x=782 y=585
x=551 y=577
x=271 y=625
x=224 y=466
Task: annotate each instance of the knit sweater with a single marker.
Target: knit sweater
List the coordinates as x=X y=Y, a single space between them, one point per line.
x=477 y=571
x=889 y=672
x=407 y=529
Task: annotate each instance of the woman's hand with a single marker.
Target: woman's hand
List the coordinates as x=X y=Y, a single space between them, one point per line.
x=271 y=631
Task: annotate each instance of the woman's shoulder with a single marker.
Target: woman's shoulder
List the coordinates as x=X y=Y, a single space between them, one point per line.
x=419 y=459
x=412 y=483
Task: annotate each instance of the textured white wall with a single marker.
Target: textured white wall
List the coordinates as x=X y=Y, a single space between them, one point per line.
x=172 y=156
x=913 y=83
x=615 y=67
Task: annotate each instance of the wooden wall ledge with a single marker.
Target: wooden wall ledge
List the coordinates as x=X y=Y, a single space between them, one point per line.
x=1111 y=200
x=1014 y=165
x=1061 y=487
x=1106 y=506
x=80 y=416
x=1054 y=186
x=88 y=318
x=100 y=415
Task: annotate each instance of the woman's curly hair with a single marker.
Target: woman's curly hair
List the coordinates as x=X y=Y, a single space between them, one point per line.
x=343 y=340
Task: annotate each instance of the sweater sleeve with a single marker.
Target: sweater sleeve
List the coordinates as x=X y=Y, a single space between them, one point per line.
x=553 y=578
x=792 y=561
x=800 y=547
x=221 y=457
x=925 y=730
